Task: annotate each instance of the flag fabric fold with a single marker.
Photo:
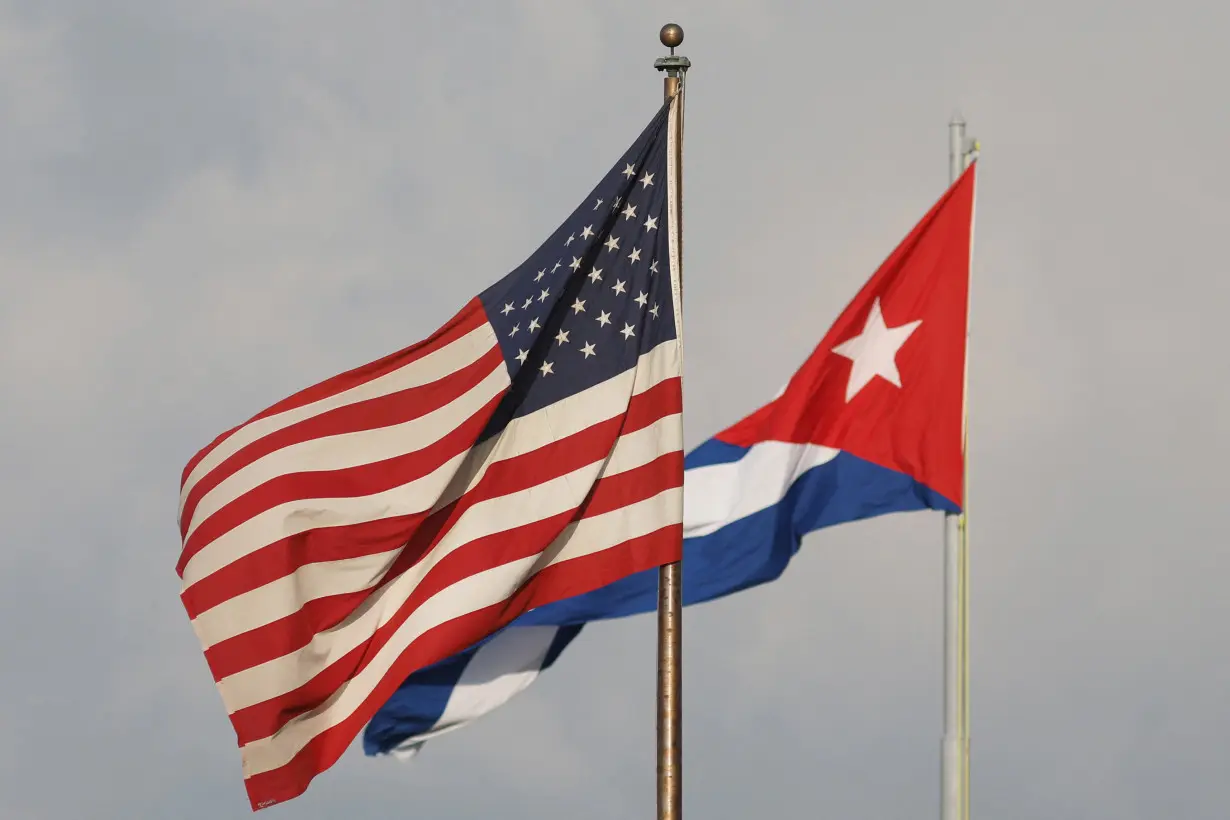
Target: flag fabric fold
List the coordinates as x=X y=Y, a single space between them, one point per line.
x=871 y=423
x=386 y=519
x=463 y=688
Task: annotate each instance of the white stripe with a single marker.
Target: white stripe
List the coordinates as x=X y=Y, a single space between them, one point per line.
x=353 y=449
x=487 y=517
x=432 y=367
x=674 y=132
x=295 y=517
x=500 y=669
x=640 y=447
x=719 y=494
x=571 y=415
x=552 y=423
x=288 y=594
x=469 y=595
x=663 y=362
x=711 y=501
x=610 y=529
x=708 y=506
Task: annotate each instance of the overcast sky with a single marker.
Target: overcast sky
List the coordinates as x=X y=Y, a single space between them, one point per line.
x=205 y=206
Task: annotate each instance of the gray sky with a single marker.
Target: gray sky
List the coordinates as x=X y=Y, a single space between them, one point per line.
x=206 y=206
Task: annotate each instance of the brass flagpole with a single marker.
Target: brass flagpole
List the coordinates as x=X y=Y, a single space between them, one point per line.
x=670 y=581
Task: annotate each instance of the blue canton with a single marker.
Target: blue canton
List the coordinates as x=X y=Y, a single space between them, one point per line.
x=597 y=294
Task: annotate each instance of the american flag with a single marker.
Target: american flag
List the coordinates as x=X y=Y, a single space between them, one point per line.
x=387 y=518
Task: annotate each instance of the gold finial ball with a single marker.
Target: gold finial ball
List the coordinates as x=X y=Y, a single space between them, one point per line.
x=671 y=35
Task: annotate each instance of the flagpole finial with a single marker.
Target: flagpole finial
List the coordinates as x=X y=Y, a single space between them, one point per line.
x=671 y=36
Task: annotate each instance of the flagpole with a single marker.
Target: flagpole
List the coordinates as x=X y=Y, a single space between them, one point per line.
x=971 y=154
x=670 y=581
x=954 y=765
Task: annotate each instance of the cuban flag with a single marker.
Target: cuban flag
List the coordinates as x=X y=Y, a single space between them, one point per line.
x=872 y=423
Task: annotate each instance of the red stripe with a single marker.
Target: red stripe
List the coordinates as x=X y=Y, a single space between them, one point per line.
x=323 y=750
x=470 y=317
x=584 y=573
x=263 y=719
x=573 y=577
x=550 y=461
x=384 y=411
x=287 y=556
x=296 y=631
x=554 y=583
x=421 y=534
x=663 y=399
x=620 y=490
x=353 y=482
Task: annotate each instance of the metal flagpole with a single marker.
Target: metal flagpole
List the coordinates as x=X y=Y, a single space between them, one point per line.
x=971 y=154
x=670 y=581
x=954 y=791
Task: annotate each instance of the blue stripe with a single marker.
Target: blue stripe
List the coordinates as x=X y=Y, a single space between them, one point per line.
x=757 y=548
x=713 y=452
x=742 y=554
x=417 y=705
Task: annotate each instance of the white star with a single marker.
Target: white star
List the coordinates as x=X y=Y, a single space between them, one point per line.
x=630 y=211
x=546 y=368
x=641 y=298
x=628 y=170
x=595 y=275
x=651 y=224
x=528 y=302
x=653 y=266
x=578 y=306
x=522 y=355
x=646 y=180
x=534 y=325
x=596 y=204
x=588 y=232
x=557 y=267
x=513 y=332
x=570 y=240
x=874 y=351
x=508 y=308
x=562 y=336
x=612 y=243
x=618 y=287
x=588 y=349
x=635 y=256
x=653 y=311
x=576 y=263
x=542 y=297
x=628 y=332
x=541 y=274
x=619 y=200
x=604 y=318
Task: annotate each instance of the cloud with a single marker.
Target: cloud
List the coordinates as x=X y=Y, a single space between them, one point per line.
x=208 y=206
